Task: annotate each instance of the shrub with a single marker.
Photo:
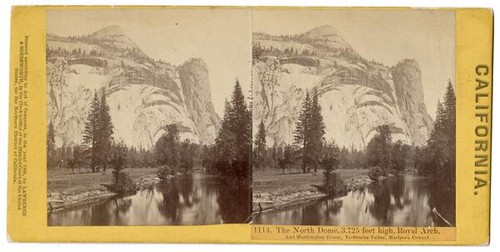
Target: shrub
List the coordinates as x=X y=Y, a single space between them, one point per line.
x=124 y=184
x=376 y=172
x=330 y=183
x=165 y=172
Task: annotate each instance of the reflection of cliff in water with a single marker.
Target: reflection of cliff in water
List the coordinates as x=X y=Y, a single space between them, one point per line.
x=443 y=200
x=234 y=202
x=401 y=201
x=188 y=200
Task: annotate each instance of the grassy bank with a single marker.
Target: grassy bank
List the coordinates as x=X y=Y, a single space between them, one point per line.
x=60 y=180
x=66 y=189
x=275 y=190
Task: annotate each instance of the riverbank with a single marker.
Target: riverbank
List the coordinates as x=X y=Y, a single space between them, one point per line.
x=68 y=190
x=273 y=190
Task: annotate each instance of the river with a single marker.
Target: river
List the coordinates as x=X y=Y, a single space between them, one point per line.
x=188 y=200
x=404 y=201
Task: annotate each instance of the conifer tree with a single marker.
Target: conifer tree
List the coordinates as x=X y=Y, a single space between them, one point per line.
x=241 y=120
x=378 y=150
x=302 y=130
x=225 y=142
x=167 y=147
x=91 y=133
x=260 y=146
x=234 y=141
x=437 y=160
x=51 y=146
x=105 y=130
x=122 y=183
x=441 y=145
x=76 y=158
x=286 y=158
x=187 y=153
x=273 y=153
x=317 y=130
x=330 y=160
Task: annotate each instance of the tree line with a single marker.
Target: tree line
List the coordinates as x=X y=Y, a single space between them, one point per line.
x=437 y=159
x=309 y=150
x=229 y=156
x=382 y=155
x=308 y=141
x=258 y=51
x=173 y=155
x=97 y=139
x=97 y=150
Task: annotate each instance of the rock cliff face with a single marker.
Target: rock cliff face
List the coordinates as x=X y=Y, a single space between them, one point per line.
x=411 y=99
x=144 y=95
x=197 y=98
x=356 y=95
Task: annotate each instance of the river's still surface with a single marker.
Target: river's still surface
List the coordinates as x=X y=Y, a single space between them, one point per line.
x=189 y=200
x=392 y=202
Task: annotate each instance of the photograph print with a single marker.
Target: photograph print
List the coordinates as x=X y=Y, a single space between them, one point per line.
x=148 y=117
x=353 y=117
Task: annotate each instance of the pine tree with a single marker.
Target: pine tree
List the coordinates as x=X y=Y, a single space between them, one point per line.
x=122 y=183
x=273 y=153
x=450 y=122
x=51 y=146
x=105 y=131
x=450 y=115
x=330 y=160
x=398 y=156
x=317 y=130
x=241 y=123
x=187 y=153
x=234 y=141
x=76 y=158
x=302 y=130
x=286 y=158
x=225 y=142
x=167 y=147
x=378 y=150
x=437 y=160
x=442 y=144
x=260 y=146
x=91 y=132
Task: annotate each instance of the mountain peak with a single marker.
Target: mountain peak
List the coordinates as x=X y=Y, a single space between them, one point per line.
x=108 y=31
x=322 y=32
x=114 y=35
x=328 y=35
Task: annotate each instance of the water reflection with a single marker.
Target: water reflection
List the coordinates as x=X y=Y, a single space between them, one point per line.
x=392 y=202
x=235 y=203
x=188 y=200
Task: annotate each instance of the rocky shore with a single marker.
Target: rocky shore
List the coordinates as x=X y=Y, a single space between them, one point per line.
x=77 y=196
x=284 y=199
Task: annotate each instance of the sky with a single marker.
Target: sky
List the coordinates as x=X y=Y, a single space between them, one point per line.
x=221 y=37
x=384 y=36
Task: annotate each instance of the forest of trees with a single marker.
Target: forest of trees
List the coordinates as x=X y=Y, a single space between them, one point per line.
x=98 y=131
x=309 y=132
x=228 y=157
x=382 y=155
x=437 y=159
x=308 y=145
x=98 y=149
x=315 y=48
x=175 y=156
x=97 y=140
x=258 y=51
